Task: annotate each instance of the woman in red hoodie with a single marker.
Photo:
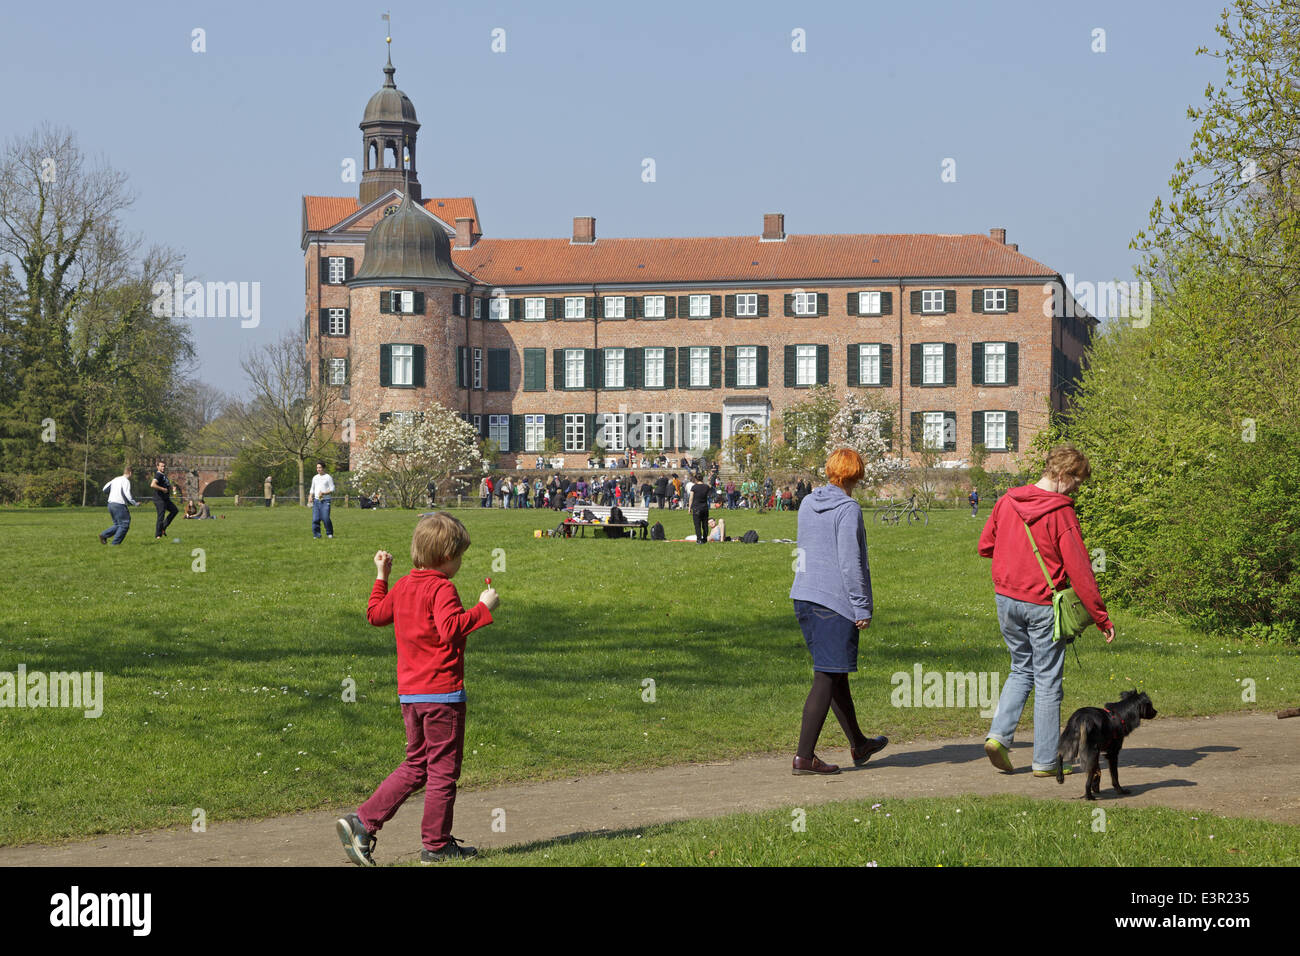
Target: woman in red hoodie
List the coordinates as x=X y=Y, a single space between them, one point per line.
x=1025 y=601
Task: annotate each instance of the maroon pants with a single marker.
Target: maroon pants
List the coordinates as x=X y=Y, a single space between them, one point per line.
x=435 y=743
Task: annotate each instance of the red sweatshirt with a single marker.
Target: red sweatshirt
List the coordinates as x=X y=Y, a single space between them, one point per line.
x=431 y=626
x=1056 y=528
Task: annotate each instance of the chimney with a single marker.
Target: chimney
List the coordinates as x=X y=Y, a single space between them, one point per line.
x=773 y=226
x=464 y=232
x=999 y=236
x=584 y=230
x=1014 y=247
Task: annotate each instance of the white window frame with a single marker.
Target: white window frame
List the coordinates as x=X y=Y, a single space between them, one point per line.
x=698 y=363
x=932 y=363
x=402 y=370
x=575 y=433
x=652 y=430
x=615 y=307
x=337 y=270
x=654 y=363
x=746 y=366
x=933 y=426
x=995 y=300
x=995 y=363
x=339 y=327
x=499 y=431
x=535 y=308
x=995 y=428
x=700 y=307
x=697 y=431
x=575 y=366
x=655 y=307
x=499 y=309
x=805 y=365
x=611 y=428
x=478 y=368
x=534 y=432
x=615 y=359
x=805 y=303
x=338 y=371
x=869 y=364
x=929 y=298
x=478 y=307
x=404 y=302
x=575 y=307
x=869 y=303
x=747 y=305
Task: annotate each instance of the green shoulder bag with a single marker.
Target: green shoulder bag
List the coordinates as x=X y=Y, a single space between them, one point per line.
x=1069 y=617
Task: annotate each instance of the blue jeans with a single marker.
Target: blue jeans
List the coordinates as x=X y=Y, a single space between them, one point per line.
x=1037 y=664
x=121 y=516
x=320 y=511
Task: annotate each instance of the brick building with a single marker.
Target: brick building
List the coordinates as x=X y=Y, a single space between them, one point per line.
x=674 y=344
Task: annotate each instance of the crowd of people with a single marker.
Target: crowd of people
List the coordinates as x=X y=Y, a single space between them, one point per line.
x=664 y=490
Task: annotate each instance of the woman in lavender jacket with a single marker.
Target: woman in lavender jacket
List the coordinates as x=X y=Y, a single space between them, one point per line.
x=832 y=602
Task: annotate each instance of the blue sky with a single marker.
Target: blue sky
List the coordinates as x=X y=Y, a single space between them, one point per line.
x=1064 y=147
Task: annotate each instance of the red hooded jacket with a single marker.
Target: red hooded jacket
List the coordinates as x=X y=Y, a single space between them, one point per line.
x=1016 y=573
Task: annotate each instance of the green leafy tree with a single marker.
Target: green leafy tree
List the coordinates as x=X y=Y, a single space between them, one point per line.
x=1190 y=417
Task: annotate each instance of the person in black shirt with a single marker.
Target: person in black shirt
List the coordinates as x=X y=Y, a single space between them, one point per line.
x=162 y=500
x=700 y=495
x=661 y=490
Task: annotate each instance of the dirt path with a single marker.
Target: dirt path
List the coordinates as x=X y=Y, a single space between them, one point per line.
x=1238 y=765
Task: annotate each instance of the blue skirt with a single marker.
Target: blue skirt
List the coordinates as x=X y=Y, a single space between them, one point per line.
x=832 y=639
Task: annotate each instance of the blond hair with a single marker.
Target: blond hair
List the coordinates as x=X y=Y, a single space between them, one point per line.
x=438 y=539
x=1066 y=461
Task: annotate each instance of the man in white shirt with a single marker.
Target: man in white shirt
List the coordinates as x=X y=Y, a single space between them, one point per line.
x=322 y=486
x=119 y=497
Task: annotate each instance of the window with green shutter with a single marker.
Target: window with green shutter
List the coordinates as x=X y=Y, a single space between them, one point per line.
x=534 y=370
x=498 y=362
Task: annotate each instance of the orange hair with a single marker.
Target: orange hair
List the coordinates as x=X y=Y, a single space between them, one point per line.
x=844 y=467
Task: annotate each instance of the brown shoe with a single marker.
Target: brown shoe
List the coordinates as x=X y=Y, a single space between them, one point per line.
x=872 y=746
x=813 y=766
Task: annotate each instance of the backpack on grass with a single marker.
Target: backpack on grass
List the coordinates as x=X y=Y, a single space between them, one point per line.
x=657 y=531
x=749 y=537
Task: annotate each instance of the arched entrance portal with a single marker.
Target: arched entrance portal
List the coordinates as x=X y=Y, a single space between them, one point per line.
x=746 y=435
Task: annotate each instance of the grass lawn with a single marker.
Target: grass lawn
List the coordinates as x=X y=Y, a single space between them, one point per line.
x=952 y=831
x=224 y=688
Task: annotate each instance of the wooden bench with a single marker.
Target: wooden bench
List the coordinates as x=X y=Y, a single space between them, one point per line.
x=633 y=515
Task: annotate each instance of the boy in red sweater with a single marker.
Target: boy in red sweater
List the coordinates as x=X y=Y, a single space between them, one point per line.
x=431 y=626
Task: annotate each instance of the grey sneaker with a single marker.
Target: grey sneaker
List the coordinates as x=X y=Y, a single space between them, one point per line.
x=358 y=842
x=455 y=850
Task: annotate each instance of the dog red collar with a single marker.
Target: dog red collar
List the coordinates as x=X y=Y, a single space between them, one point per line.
x=1120 y=719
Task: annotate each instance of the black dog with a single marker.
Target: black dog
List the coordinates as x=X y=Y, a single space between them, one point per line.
x=1092 y=730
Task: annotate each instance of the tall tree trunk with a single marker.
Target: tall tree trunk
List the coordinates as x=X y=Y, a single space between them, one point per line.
x=302 y=491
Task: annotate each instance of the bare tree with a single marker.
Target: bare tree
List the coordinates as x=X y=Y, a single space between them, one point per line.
x=287 y=417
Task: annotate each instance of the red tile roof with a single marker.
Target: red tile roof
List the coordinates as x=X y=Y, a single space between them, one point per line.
x=507 y=262
x=326 y=211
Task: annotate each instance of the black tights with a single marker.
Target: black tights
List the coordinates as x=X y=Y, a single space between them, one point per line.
x=829 y=692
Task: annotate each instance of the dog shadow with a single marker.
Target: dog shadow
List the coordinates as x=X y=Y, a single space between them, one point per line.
x=1150 y=758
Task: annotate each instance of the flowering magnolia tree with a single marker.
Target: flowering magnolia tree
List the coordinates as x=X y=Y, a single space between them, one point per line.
x=865 y=428
x=823 y=422
x=402 y=456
